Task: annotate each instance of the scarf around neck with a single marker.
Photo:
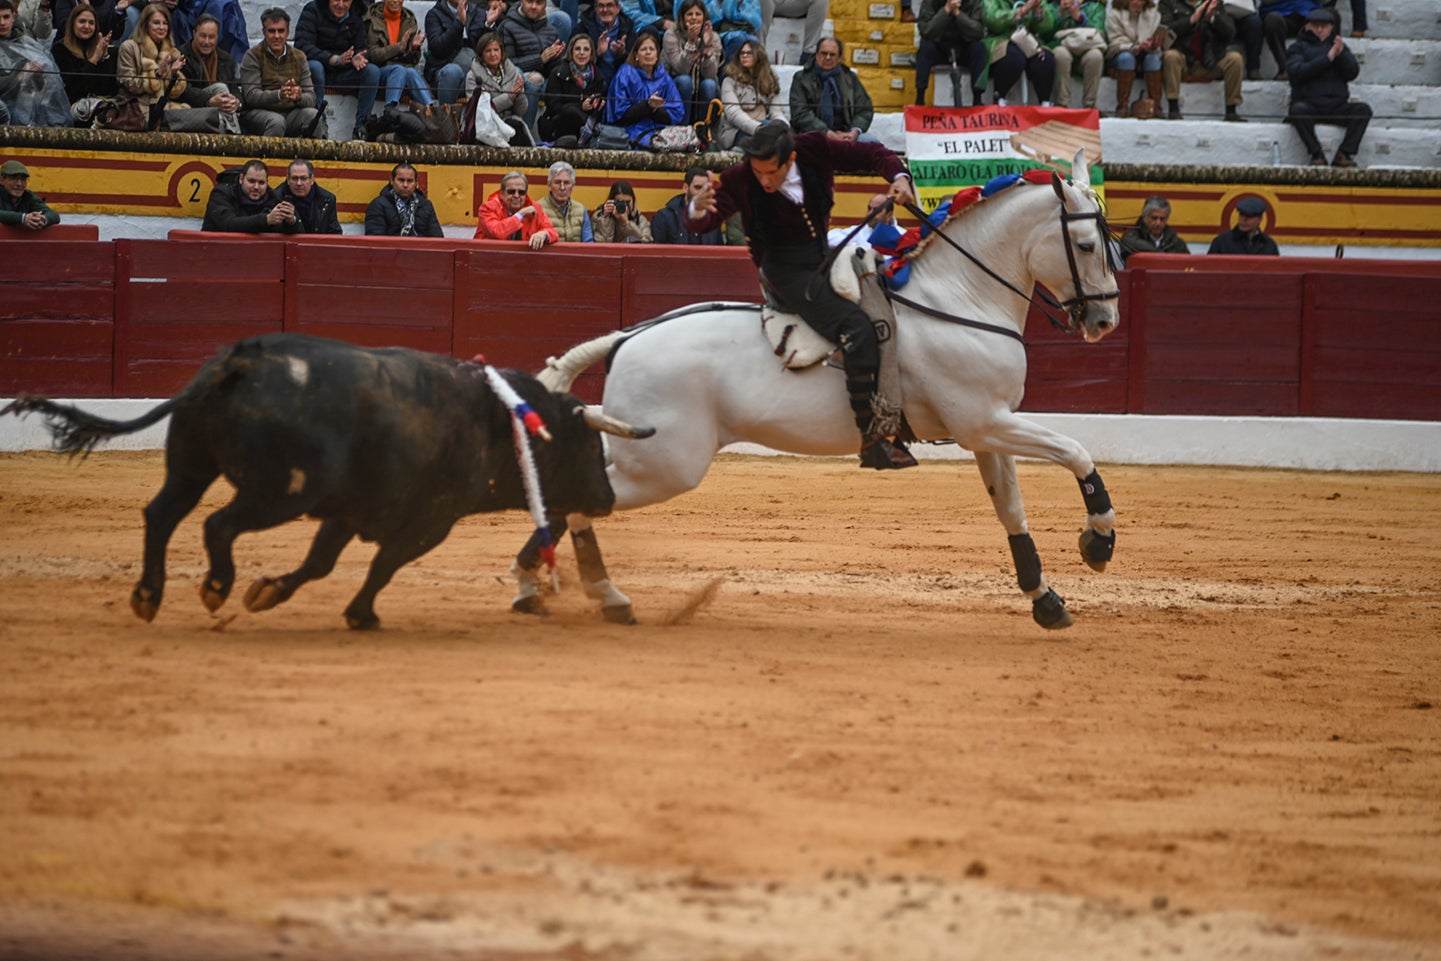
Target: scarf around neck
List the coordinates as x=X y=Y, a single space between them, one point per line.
x=830 y=95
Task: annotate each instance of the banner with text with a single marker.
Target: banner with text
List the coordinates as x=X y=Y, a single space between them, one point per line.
x=953 y=147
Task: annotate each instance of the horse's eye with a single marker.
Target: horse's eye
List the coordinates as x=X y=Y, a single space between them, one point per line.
x=1087 y=247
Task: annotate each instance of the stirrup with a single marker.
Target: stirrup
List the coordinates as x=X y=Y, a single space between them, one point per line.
x=878 y=453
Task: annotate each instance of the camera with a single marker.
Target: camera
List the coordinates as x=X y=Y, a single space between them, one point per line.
x=622 y=206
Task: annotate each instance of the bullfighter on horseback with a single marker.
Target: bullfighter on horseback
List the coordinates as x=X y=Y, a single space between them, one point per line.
x=784 y=191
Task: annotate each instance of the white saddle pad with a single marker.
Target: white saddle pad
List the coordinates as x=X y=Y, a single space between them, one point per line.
x=795 y=342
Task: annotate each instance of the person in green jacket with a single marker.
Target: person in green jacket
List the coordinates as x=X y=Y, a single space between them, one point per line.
x=19 y=205
x=1010 y=56
x=1079 y=46
x=829 y=96
x=953 y=32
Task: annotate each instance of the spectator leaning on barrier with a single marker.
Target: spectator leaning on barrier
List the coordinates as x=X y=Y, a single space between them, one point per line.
x=314 y=206
x=402 y=209
x=1246 y=237
x=1199 y=36
x=19 y=205
x=668 y=226
x=829 y=96
x=570 y=219
x=839 y=235
x=618 y=220
x=952 y=32
x=242 y=202
x=510 y=214
x=1152 y=233
x=276 y=86
x=1320 y=66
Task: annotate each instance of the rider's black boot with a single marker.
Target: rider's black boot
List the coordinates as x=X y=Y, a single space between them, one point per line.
x=877 y=451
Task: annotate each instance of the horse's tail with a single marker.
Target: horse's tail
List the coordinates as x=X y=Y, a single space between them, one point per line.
x=560 y=372
x=74 y=431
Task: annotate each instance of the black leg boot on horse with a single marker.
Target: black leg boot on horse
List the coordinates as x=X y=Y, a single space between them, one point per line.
x=878 y=450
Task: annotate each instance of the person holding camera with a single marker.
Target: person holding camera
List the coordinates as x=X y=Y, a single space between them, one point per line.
x=617 y=221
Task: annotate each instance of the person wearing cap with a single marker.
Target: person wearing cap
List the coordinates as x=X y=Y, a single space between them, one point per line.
x=1320 y=65
x=1246 y=237
x=19 y=206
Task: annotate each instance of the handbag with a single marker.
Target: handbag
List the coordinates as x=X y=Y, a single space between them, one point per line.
x=483 y=124
x=1026 y=42
x=1079 y=40
x=439 y=120
x=131 y=116
x=677 y=138
x=604 y=136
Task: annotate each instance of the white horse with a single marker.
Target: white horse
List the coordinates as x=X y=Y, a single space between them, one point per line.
x=705 y=378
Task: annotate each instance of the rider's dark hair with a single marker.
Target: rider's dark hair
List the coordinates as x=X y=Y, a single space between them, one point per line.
x=772 y=140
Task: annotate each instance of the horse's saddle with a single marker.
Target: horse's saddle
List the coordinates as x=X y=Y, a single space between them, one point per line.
x=853 y=276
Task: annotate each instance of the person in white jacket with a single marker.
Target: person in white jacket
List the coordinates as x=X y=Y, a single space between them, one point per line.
x=750 y=95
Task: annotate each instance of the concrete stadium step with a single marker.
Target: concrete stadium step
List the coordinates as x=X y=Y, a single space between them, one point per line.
x=1397 y=19
x=1393 y=105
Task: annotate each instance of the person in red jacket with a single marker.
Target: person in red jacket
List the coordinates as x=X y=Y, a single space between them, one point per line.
x=510 y=214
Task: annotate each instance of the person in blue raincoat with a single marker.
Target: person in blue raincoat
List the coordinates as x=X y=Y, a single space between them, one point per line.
x=643 y=97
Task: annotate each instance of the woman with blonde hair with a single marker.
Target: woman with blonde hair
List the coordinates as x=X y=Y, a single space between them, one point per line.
x=150 y=72
x=750 y=95
x=1133 y=35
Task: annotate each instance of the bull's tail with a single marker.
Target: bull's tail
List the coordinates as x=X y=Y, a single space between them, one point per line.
x=560 y=372
x=74 y=431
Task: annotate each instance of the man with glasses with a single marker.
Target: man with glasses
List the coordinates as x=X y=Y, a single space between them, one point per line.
x=828 y=96
x=313 y=205
x=510 y=214
x=402 y=209
x=570 y=219
x=610 y=29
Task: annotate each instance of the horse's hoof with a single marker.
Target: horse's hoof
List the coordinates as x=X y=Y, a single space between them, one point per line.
x=1050 y=611
x=619 y=614
x=262 y=595
x=531 y=604
x=1096 y=549
x=213 y=595
x=362 y=622
x=144 y=603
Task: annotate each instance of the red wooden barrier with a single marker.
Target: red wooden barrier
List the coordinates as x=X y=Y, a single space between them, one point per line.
x=1064 y=374
x=56 y=318
x=60 y=231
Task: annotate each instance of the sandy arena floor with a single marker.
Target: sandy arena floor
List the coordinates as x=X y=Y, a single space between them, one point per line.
x=858 y=748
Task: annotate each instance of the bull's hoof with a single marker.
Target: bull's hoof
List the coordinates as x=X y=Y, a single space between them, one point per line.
x=529 y=604
x=213 y=594
x=263 y=594
x=1050 y=611
x=145 y=603
x=362 y=622
x=619 y=614
x=1096 y=549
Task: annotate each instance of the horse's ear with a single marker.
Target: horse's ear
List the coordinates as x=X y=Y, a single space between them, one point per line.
x=1056 y=186
x=1080 y=171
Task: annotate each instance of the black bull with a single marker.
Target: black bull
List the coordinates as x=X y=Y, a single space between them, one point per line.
x=390 y=445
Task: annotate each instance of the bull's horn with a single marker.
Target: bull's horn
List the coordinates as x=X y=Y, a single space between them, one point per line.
x=595 y=419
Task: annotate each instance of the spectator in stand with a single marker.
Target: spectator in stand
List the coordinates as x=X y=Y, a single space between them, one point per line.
x=837 y=235
x=829 y=96
x=37 y=19
x=242 y=202
x=86 y=62
x=276 y=86
x=1203 y=32
x=510 y=214
x=494 y=73
x=649 y=16
x=668 y=226
x=312 y=204
x=814 y=12
x=211 y=74
x=30 y=85
x=618 y=221
x=116 y=17
x=152 y=71
x=610 y=31
x=1133 y=37
x=574 y=94
x=394 y=37
x=402 y=209
x=951 y=32
x=19 y=205
x=642 y=98
x=1321 y=66
x=750 y=95
x=735 y=21
x=1358 y=17
x=570 y=219
x=234 y=34
x=1008 y=57
x=1246 y=237
x=1281 y=20
x=692 y=56
x=334 y=40
x=1152 y=233
x=1082 y=24
x=533 y=45
x=452 y=30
